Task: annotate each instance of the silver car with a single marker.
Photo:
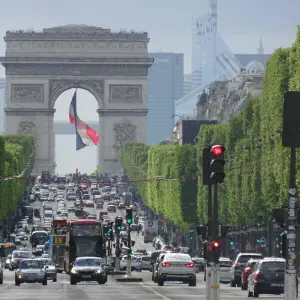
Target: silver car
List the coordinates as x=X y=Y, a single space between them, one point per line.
x=30 y=271
x=50 y=268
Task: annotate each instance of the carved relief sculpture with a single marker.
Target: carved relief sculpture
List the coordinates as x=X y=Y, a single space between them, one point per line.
x=124 y=131
x=29 y=93
x=125 y=93
x=27 y=127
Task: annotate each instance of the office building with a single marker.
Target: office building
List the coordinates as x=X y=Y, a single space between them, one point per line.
x=165 y=86
x=2 y=106
x=187 y=84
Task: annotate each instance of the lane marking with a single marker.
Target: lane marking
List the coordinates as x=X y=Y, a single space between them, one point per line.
x=155 y=292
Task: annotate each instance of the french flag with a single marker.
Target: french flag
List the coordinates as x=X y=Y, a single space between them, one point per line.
x=85 y=135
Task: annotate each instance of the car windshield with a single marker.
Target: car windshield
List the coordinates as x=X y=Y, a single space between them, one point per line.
x=49 y=216
x=243 y=259
x=47 y=262
x=20 y=254
x=88 y=262
x=273 y=266
x=30 y=264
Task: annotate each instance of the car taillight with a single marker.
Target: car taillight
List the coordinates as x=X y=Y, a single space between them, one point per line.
x=165 y=264
x=248 y=270
x=258 y=276
x=190 y=265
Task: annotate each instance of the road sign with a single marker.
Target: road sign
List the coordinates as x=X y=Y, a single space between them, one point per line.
x=248 y=246
x=263 y=242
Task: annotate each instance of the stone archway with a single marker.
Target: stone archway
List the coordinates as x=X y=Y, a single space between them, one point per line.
x=113 y=66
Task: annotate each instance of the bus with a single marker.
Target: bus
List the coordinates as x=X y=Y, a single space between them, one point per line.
x=27 y=211
x=122 y=187
x=84 y=238
x=6 y=249
x=39 y=237
x=57 y=243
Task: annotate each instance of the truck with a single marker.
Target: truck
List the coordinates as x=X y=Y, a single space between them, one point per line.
x=46 y=177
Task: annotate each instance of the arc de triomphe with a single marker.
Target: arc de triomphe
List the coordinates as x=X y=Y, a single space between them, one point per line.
x=113 y=66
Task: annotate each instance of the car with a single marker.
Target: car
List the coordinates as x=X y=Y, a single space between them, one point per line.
x=89 y=203
x=88 y=269
x=267 y=277
x=225 y=265
x=136 y=264
x=50 y=269
x=246 y=272
x=239 y=265
x=99 y=205
x=176 y=267
x=16 y=257
x=30 y=271
x=111 y=208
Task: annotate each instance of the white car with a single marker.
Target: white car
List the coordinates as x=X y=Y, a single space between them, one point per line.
x=135 y=263
x=225 y=265
x=146 y=262
x=176 y=267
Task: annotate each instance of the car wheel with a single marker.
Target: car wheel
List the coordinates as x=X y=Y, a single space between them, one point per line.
x=1 y=280
x=244 y=286
x=250 y=294
x=232 y=283
x=45 y=282
x=160 y=282
x=255 y=293
x=55 y=279
x=193 y=282
x=101 y=281
x=72 y=281
x=17 y=282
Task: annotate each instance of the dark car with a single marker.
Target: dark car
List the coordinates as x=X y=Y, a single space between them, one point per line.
x=88 y=269
x=267 y=277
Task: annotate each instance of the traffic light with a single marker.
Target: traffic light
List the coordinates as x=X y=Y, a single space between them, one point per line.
x=283 y=244
x=231 y=243
x=129 y=252
x=110 y=225
x=105 y=230
x=191 y=236
x=216 y=250
x=129 y=216
x=204 y=250
x=118 y=224
x=258 y=241
x=217 y=163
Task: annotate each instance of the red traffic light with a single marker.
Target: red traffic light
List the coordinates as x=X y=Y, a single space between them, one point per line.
x=217 y=150
x=216 y=244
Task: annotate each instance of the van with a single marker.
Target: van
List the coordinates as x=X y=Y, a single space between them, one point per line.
x=48 y=214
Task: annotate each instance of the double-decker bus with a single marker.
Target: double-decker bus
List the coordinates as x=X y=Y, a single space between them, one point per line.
x=57 y=242
x=84 y=238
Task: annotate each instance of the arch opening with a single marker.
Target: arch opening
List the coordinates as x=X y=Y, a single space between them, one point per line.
x=66 y=158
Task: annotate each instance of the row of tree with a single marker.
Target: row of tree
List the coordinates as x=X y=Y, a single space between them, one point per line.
x=15 y=154
x=256 y=163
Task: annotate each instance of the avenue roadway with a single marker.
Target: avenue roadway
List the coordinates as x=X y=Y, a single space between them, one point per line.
x=112 y=290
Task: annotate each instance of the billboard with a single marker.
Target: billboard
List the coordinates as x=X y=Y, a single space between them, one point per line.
x=150 y=230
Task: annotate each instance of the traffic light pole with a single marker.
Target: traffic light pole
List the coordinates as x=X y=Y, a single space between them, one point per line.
x=215 y=269
x=117 y=263
x=209 y=235
x=290 y=285
x=128 y=270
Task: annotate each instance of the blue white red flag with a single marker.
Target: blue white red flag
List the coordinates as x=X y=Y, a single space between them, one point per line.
x=85 y=135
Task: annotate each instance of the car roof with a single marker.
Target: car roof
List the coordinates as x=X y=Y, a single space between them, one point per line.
x=248 y=254
x=273 y=259
x=88 y=257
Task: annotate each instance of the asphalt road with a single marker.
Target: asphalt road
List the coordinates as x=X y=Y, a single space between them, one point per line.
x=62 y=290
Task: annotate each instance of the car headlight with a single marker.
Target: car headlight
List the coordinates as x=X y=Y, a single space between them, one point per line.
x=7 y=261
x=73 y=271
x=99 y=271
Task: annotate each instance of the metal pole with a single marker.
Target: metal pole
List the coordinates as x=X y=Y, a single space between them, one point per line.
x=117 y=263
x=209 y=235
x=128 y=270
x=215 y=270
x=290 y=286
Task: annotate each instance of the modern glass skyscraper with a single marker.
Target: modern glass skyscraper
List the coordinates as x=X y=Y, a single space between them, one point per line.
x=165 y=86
x=2 y=106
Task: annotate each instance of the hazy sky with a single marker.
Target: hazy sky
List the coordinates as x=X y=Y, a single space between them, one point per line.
x=241 y=23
